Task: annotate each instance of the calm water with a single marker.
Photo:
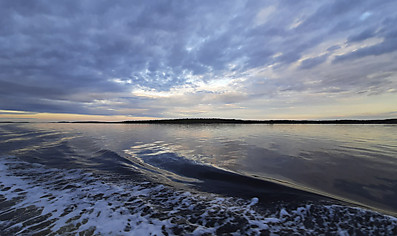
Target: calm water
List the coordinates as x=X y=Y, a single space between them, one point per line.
x=195 y=179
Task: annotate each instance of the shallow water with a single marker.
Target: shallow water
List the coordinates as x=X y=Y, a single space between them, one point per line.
x=195 y=179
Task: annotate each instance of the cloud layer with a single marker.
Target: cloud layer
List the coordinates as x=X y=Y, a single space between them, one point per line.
x=240 y=59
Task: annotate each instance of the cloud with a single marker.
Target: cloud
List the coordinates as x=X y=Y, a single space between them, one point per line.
x=333 y=48
x=312 y=62
x=366 y=34
x=376 y=50
x=93 y=57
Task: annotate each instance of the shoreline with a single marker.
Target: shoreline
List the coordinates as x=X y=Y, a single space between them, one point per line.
x=221 y=121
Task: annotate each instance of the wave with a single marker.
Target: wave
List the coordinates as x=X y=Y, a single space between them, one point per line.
x=38 y=199
x=215 y=180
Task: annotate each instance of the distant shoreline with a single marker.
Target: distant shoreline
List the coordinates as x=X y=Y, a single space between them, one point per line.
x=238 y=121
x=228 y=121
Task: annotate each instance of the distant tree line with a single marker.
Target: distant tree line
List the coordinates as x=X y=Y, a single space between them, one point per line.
x=237 y=121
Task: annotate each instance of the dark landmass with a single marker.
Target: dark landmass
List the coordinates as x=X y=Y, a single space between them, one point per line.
x=225 y=121
x=237 y=121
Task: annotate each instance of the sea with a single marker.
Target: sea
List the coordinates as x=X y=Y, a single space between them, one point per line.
x=197 y=179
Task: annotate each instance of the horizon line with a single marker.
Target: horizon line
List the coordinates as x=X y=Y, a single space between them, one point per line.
x=229 y=121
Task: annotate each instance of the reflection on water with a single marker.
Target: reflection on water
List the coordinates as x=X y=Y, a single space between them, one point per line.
x=352 y=162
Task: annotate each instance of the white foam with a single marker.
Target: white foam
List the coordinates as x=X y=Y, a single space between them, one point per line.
x=254 y=201
x=76 y=201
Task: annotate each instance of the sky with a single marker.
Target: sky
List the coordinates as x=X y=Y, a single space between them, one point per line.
x=128 y=60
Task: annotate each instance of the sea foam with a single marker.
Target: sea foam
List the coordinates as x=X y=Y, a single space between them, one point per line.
x=37 y=199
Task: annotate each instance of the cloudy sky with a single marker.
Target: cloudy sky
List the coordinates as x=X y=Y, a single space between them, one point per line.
x=117 y=60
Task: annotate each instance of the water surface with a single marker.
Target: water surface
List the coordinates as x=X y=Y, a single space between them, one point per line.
x=298 y=177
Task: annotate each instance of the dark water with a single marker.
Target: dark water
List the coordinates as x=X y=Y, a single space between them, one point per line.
x=137 y=179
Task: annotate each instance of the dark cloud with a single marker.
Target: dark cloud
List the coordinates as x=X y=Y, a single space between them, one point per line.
x=333 y=48
x=388 y=45
x=312 y=62
x=385 y=47
x=366 y=34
